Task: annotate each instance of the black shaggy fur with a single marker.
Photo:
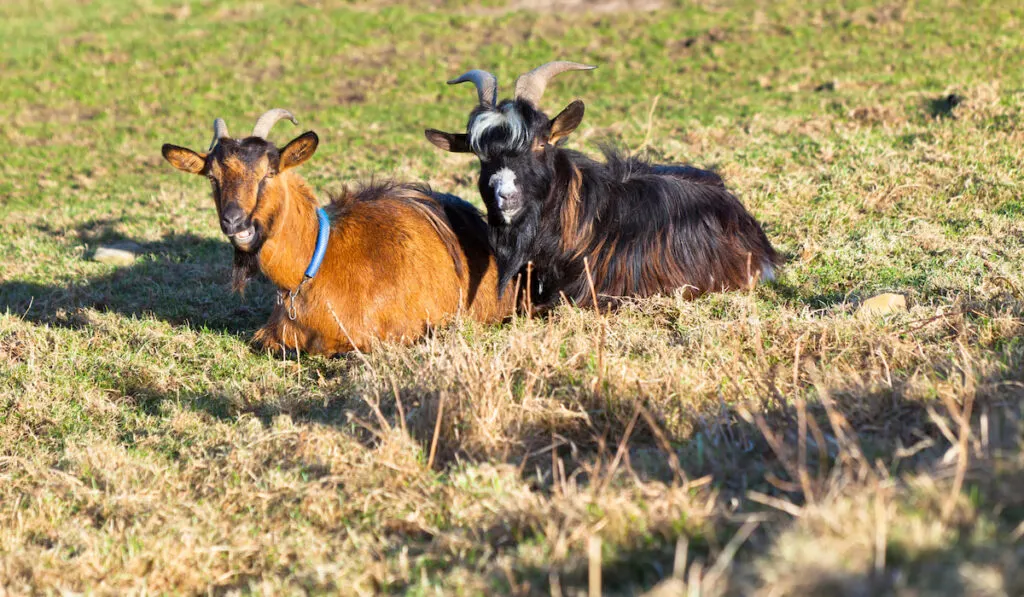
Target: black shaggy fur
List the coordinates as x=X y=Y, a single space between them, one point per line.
x=641 y=228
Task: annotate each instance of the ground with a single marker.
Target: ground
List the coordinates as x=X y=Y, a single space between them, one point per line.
x=764 y=443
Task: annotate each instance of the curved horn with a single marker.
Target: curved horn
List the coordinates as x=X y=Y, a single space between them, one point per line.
x=530 y=87
x=486 y=85
x=269 y=119
x=220 y=131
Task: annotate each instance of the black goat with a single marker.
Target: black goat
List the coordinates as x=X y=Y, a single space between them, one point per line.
x=641 y=228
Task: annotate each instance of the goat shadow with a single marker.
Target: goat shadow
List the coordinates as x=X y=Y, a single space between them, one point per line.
x=183 y=279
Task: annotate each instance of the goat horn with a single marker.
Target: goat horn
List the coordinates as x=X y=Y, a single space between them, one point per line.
x=486 y=85
x=269 y=119
x=220 y=131
x=530 y=87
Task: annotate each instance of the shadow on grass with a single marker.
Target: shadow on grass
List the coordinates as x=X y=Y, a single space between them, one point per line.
x=734 y=450
x=942 y=107
x=182 y=279
x=792 y=295
x=722 y=443
x=737 y=455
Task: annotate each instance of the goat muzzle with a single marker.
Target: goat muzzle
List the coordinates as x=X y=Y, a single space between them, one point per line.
x=236 y=226
x=244 y=238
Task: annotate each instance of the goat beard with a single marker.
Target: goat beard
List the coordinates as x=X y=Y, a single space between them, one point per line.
x=513 y=246
x=245 y=265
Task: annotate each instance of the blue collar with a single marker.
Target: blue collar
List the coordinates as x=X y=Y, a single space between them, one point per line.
x=321 y=242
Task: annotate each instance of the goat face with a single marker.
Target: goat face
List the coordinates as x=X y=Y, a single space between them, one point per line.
x=516 y=174
x=510 y=141
x=510 y=138
x=241 y=173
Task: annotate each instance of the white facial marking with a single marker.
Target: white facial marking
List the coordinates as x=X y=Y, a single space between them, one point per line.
x=504 y=184
x=767 y=272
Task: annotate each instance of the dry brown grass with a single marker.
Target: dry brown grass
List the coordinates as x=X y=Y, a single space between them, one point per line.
x=286 y=491
x=764 y=443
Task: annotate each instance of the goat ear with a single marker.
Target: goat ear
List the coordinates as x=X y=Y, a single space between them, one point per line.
x=454 y=142
x=566 y=122
x=299 y=150
x=184 y=159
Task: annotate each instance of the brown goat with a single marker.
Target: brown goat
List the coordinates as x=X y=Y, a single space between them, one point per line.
x=398 y=260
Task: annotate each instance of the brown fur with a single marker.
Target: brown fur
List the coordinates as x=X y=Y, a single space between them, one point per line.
x=574 y=232
x=399 y=260
x=394 y=267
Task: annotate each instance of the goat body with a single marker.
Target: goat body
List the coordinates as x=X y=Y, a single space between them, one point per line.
x=641 y=229
x=399 y=260
x=579 y=228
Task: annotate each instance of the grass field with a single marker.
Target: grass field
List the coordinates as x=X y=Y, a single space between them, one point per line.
x=764 y=443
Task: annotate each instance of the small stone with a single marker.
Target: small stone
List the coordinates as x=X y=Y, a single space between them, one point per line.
x=123 y=253
x=883 y=304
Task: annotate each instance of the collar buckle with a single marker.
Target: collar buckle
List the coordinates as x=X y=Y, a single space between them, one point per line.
x=322 y=234
x=290 y=308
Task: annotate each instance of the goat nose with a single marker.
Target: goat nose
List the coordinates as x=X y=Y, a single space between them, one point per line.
x=232 y=220
x=507 y=198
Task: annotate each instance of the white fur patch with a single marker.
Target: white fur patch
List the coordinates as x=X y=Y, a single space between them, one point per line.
x=504 y=184
x=507 y=118
x=767 y=272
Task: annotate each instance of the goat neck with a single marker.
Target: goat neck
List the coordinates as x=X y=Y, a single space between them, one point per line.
x=291 y=235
